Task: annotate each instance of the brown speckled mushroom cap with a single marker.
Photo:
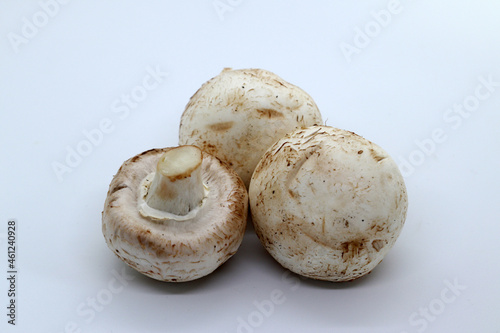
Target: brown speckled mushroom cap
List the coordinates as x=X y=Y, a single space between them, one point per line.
x=181 y=249
x=239 y=113
x=327 y=203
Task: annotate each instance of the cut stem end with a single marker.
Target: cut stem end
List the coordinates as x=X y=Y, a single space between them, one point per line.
x=177 y=187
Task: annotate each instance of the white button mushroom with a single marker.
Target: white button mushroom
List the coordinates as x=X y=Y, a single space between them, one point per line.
x=238 y=114
x=327 y=203
x=175 y=214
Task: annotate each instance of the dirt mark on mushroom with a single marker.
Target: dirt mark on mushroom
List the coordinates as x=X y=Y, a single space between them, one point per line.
x=376 y=156
x=221 y=127
x=269 y=113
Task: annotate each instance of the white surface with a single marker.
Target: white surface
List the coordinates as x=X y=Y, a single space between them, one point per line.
x=69 y=76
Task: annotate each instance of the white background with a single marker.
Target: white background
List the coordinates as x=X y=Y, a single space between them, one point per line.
x=399 y=86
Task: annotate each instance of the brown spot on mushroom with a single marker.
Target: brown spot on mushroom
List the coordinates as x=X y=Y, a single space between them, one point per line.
x=141 y=241
x=360 y=152
x=279 y=82
x=377 y=157
x=209 y=148
x=118 y=187
x=221 y=127
x=139 y=156
x=269 y=113
x=110 y=203
x=377 y=227
x=135 y=158
x=351 y=249
x=378 y=244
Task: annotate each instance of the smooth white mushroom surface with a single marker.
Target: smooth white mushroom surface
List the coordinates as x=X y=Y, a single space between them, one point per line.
x=238 y=114
x=175 y=214
x=327 y=203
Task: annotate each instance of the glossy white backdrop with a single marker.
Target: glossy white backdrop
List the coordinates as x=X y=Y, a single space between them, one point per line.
x=85 y=85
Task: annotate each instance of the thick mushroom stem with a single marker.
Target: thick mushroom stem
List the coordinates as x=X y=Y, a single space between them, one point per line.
x=177 y=187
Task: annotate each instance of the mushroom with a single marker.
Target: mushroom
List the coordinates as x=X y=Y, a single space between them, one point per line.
x=327 y=203
x=238 y=114
x=175 y=214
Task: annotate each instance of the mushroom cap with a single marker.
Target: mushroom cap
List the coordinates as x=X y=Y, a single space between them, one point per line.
x=175 y=250
x=327 y=203
x=238 y=114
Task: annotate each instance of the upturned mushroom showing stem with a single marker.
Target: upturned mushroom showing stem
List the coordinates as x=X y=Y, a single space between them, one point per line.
x=177 y=186
x=175 y=214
